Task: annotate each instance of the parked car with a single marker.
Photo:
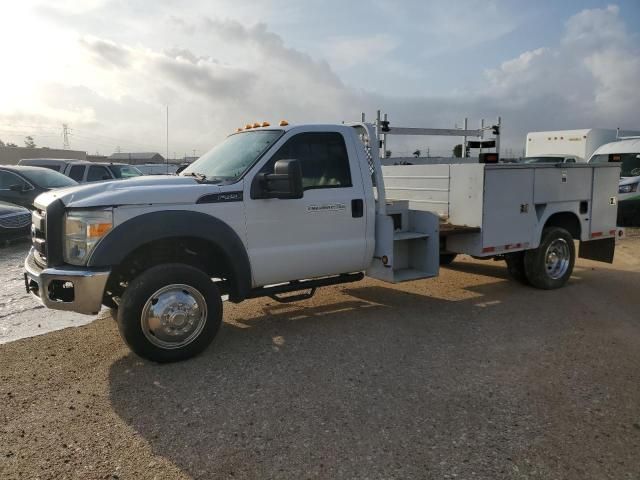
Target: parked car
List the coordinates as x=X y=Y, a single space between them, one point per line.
x=21 y=185
x=551 y=159
x=83 y=171
x=158 y=168
x=15 y=222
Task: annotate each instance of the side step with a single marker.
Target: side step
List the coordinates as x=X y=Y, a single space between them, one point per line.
x=298 y=285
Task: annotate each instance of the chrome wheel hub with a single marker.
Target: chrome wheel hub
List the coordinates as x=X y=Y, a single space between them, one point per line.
x=557 y=258
x=174 y=316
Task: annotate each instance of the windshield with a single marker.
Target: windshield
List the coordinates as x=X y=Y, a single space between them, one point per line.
x=45 y=178
x=629 y=166
x=234 y=156
x=125 y=171
x=543 y=160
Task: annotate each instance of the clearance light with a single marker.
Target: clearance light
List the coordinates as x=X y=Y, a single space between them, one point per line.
x=266 y=124
x=385 y=260
x=248 y=126
x=283 y=123
x=256 y=125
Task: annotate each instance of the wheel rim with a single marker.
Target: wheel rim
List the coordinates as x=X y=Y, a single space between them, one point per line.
x=174 y=316
x=557 y=258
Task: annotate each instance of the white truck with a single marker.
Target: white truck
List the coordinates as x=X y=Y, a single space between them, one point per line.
x=626 y=151
x=566 y=146
x=279 y=211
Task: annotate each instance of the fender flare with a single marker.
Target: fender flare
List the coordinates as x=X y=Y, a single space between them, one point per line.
x=149 y=227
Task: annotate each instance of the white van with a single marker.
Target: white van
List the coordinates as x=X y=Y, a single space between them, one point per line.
x=627 y=152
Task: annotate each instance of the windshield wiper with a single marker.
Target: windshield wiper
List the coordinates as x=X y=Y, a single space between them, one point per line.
x=200 y=177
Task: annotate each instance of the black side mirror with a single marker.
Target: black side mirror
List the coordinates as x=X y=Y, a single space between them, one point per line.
x=284 y=182
x=17 y=188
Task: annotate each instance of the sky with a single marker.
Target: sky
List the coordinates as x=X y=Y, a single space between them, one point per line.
x=109 y=69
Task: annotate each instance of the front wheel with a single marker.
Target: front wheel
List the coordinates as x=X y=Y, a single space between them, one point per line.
x=550 y=265
x=170 y=312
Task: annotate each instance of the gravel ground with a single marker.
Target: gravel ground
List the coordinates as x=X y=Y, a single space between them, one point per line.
x=464 y=376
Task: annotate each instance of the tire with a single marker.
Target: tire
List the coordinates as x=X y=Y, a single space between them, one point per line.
x=447 y=258
x=550 y=265
x=186 y=300
x=515 y=267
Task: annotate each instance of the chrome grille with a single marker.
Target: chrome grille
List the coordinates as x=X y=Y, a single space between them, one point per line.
x=15 y=220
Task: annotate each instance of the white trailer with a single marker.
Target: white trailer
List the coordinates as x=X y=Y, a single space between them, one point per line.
x=275 y=211
x=578 y=144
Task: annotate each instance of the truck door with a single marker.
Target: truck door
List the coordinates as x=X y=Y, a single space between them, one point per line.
x=322 y=233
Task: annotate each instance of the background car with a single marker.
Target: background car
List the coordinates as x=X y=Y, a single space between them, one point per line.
x=21 y=185
x=83 y=171
x=15 y=222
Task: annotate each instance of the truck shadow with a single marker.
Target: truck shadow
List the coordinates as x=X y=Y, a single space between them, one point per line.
x=304 y=390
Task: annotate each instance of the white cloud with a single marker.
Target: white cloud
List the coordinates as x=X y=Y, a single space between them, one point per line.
x=216 y=74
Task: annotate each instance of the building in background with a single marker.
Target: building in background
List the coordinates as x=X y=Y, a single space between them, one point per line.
x=12 y=155
x=137 y=158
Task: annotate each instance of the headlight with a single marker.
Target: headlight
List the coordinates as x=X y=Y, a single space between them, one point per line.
x=83 y=229
x=629 y=188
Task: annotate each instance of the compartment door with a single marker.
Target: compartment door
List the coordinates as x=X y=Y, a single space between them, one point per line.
x=508 y=211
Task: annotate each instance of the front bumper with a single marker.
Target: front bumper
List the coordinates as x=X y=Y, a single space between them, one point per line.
x=76 y=289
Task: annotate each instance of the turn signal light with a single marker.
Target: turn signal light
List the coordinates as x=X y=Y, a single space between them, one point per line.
x=283 y=123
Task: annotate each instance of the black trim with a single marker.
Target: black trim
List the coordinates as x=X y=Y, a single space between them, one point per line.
x=298 y=285
x=54 y=233
x=601 y=250
x=144 y=229
x=222 y=197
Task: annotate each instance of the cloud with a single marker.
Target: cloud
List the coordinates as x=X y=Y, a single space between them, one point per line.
x=216 y=74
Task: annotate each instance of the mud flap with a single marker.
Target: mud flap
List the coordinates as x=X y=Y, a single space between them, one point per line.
x=601 y=250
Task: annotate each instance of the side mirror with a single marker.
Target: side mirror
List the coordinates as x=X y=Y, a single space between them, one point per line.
x=284 y=182
x=17 y=188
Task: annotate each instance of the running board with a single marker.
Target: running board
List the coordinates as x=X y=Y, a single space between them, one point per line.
x=298 y=285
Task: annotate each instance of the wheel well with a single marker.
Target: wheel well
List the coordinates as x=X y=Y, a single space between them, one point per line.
x=193 y=251
x=567 y=220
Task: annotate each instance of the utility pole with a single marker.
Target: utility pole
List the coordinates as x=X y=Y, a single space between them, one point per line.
x=464 y=139
x=65 y=136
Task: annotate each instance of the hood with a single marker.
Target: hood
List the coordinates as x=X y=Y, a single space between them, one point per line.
x=9 y=208
x=628 y=180
x=146 y=190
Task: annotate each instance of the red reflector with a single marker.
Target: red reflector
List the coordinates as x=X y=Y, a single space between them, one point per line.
x=515 y=245
x=488 y=249
x=612 y=232
x=596 y=234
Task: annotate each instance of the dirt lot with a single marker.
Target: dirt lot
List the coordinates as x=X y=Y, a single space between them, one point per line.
x=464 y=376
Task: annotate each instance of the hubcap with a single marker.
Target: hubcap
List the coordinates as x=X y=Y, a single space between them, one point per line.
x=557 y=258
x=174 y=316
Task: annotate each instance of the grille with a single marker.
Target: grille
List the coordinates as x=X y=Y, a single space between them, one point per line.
x=15 y=220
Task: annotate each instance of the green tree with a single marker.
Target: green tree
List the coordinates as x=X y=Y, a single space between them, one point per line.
x=11 y=144
x=457 y=151
x=1 y=143
x=28 y=142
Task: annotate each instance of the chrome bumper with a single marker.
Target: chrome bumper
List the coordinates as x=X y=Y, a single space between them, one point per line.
x=75 y=289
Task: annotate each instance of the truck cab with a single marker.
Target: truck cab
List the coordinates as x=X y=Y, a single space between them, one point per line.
x=280 y=211
x=627 y=153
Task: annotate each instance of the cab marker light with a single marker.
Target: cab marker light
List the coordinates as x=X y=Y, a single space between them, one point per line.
x=239 y=129
x=256 y=125
x=283 y=123
x=266 y=124
x=248 y=126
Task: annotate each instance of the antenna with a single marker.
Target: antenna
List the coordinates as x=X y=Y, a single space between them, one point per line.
x=65 y=136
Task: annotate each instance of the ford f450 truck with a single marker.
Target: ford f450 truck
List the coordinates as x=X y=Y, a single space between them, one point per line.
x=280 y=211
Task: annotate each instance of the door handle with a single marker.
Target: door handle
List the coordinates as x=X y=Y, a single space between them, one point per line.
x=357 y=208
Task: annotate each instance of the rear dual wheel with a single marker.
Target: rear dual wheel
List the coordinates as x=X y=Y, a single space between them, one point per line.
x=550 y=265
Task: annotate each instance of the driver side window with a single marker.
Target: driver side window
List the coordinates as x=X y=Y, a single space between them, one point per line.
x=8 y=179
x=323 y=159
